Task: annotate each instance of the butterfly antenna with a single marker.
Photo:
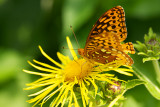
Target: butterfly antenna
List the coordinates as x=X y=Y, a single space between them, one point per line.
x=75 y=36
x=68 y=48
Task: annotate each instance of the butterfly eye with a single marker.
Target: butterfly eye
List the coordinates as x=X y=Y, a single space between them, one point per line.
x=81 y=52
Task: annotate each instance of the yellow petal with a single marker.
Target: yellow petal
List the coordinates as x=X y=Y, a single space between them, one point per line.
x=123 y=72
x=41 y=68
x=64 y=59
x=50 y=95
x=46 y=65
x=94 y=84
x=71 y=48
x=38 y=98
x=36 y=73
x=49 y=58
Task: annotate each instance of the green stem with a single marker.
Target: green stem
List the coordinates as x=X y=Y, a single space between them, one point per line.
x=152 y=88
x=157 y=69
x=93 y=101
x=116 y=99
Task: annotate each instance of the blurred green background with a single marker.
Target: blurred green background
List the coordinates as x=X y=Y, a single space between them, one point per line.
x=25 y=24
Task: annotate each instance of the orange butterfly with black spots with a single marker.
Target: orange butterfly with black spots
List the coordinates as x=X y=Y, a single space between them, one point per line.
x=103 y=44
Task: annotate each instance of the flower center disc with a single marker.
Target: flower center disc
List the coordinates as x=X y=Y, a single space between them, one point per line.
x=79 y=68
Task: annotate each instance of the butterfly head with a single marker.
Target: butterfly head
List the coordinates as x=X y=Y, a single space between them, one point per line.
x=81 y=52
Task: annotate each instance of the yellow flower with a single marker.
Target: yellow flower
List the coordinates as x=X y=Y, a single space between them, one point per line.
x=63 y=79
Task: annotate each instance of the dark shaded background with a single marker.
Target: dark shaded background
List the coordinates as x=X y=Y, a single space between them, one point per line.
x=25 y=24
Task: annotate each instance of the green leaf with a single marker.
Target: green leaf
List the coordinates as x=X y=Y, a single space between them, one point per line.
x=146 y=38
x=145 y=72
x=132 y=83
x=150 y=33
x=152 y=88
x=157 y=53
x=150 y=59
x=142 y=53
x=150 y=52
x=140 y=46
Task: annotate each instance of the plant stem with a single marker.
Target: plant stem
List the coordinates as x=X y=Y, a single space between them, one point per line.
x=157 y=69
x=116 y=99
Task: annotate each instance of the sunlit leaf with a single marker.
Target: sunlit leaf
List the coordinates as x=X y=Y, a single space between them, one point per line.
x=132 y=83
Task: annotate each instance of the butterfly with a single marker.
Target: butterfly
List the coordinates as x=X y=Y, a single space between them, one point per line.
x=103 y=44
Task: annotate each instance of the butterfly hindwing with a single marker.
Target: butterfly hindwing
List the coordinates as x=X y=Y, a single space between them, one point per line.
x=106 y=47
x=106 y=55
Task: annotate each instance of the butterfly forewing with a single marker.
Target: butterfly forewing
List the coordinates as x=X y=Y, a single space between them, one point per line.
x=111 y=21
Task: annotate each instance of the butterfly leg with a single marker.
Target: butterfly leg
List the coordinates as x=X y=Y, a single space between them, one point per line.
x=76 y=62
x=100 y=68
x=83 y=64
